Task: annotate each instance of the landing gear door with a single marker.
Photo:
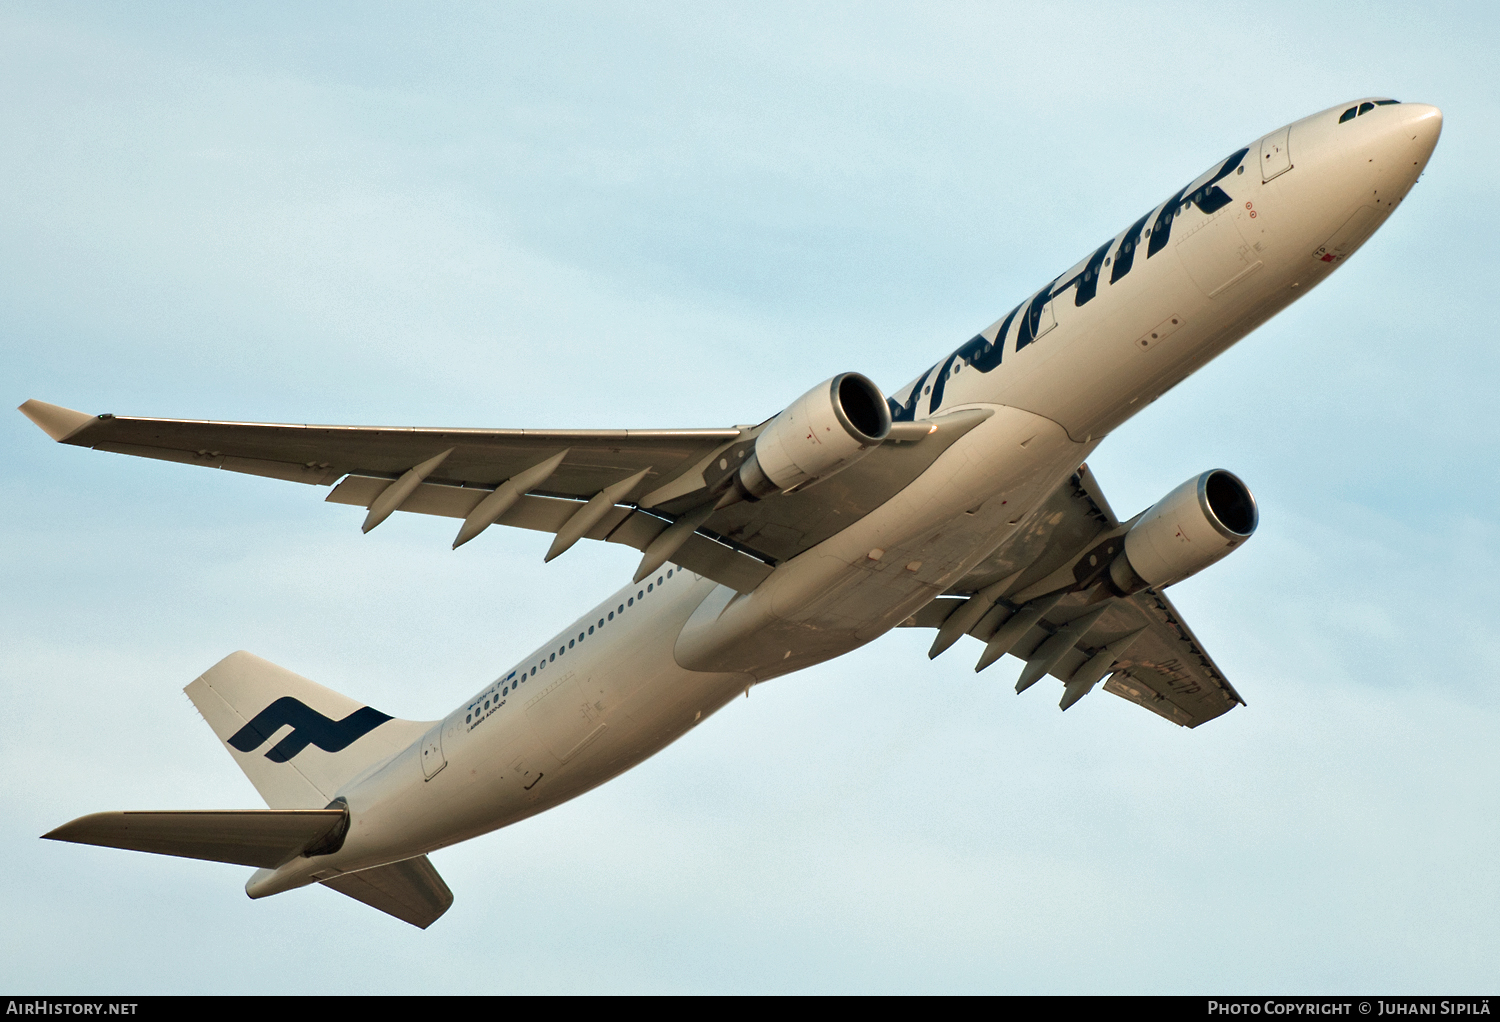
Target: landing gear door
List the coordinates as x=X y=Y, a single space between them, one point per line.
x=432 y=752
x=1275 y=157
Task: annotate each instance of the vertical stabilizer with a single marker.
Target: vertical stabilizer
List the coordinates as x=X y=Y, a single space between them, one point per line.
x=296 y=740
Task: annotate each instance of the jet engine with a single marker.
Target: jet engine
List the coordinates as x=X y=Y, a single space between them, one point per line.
x=823 y=432
x=1190 y=528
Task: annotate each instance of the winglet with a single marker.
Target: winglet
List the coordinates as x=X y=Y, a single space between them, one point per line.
x=56 y=421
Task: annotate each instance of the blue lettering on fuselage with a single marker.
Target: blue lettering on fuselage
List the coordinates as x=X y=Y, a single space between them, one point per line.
x=1209 y=197
x=1161 y=231
x=985 y=354
x=1125 y=258
x=1088 y=280
x=1028 y=330
x=980 y=352
x=906 y=412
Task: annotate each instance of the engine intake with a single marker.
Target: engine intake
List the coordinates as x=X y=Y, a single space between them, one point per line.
x=821 y=433
x=1194 y=526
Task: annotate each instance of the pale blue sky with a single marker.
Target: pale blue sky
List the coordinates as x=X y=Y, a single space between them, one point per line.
x=614 y=215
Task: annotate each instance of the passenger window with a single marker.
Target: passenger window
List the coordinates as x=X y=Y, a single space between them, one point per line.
x=669 y=573
x=658 y=580
x=1348 y=115
x=552 y=657
x=486 y=704
x=611 y=615
x=1365 y=108
x=648 y=589
x=570 y=643
x=505 y=691
x=591 y=629
x=639 y=596
x=469 y=718
x=630 y=602
x=533 y=672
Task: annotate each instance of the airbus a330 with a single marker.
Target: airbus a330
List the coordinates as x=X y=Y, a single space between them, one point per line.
x=961 y=503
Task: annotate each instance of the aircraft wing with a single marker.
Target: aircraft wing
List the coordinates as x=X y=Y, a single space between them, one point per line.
x=1082 y=634
x=647 y=489
x=636 y=487
x=1167 y=670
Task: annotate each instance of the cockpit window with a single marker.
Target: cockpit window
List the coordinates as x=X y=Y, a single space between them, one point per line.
x=1364 y=108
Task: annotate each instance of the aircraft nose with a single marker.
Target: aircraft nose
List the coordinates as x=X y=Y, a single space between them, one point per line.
x=1424 y=123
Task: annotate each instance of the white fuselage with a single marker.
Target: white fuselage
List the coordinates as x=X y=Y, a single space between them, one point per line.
x=1074 y=361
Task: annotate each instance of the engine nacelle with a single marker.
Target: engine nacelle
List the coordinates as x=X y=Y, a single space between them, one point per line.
x=1190 y=528
x=823 y=432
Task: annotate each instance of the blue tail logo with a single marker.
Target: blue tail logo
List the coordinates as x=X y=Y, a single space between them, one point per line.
x=308 y=727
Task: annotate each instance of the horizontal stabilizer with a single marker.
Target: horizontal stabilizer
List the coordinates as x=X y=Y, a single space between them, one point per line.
x=249 y=837
x=410 y=890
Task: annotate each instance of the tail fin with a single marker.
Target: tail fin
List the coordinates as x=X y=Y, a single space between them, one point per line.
x=249 y=702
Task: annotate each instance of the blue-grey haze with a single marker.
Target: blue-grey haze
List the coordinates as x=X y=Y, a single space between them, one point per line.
x=683 y=215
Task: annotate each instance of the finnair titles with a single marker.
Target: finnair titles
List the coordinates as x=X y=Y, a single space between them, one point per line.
x=962 y=504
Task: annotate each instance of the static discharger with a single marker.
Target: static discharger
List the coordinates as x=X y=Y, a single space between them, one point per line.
x=489 y=510
x=393 y=496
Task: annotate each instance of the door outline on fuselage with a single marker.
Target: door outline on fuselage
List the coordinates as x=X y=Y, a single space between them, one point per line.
x=521 y=771
x=432 y=756
x=1275 y=157
x=563 y=718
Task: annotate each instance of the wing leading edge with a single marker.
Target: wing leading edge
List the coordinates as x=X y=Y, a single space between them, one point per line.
x=652 y=490
x=451 y=472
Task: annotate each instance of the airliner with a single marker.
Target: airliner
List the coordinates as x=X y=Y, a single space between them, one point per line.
x=961 y=503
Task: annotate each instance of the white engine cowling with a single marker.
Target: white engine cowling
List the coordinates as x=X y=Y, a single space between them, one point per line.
x=1190 y=528
x=823 y=432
